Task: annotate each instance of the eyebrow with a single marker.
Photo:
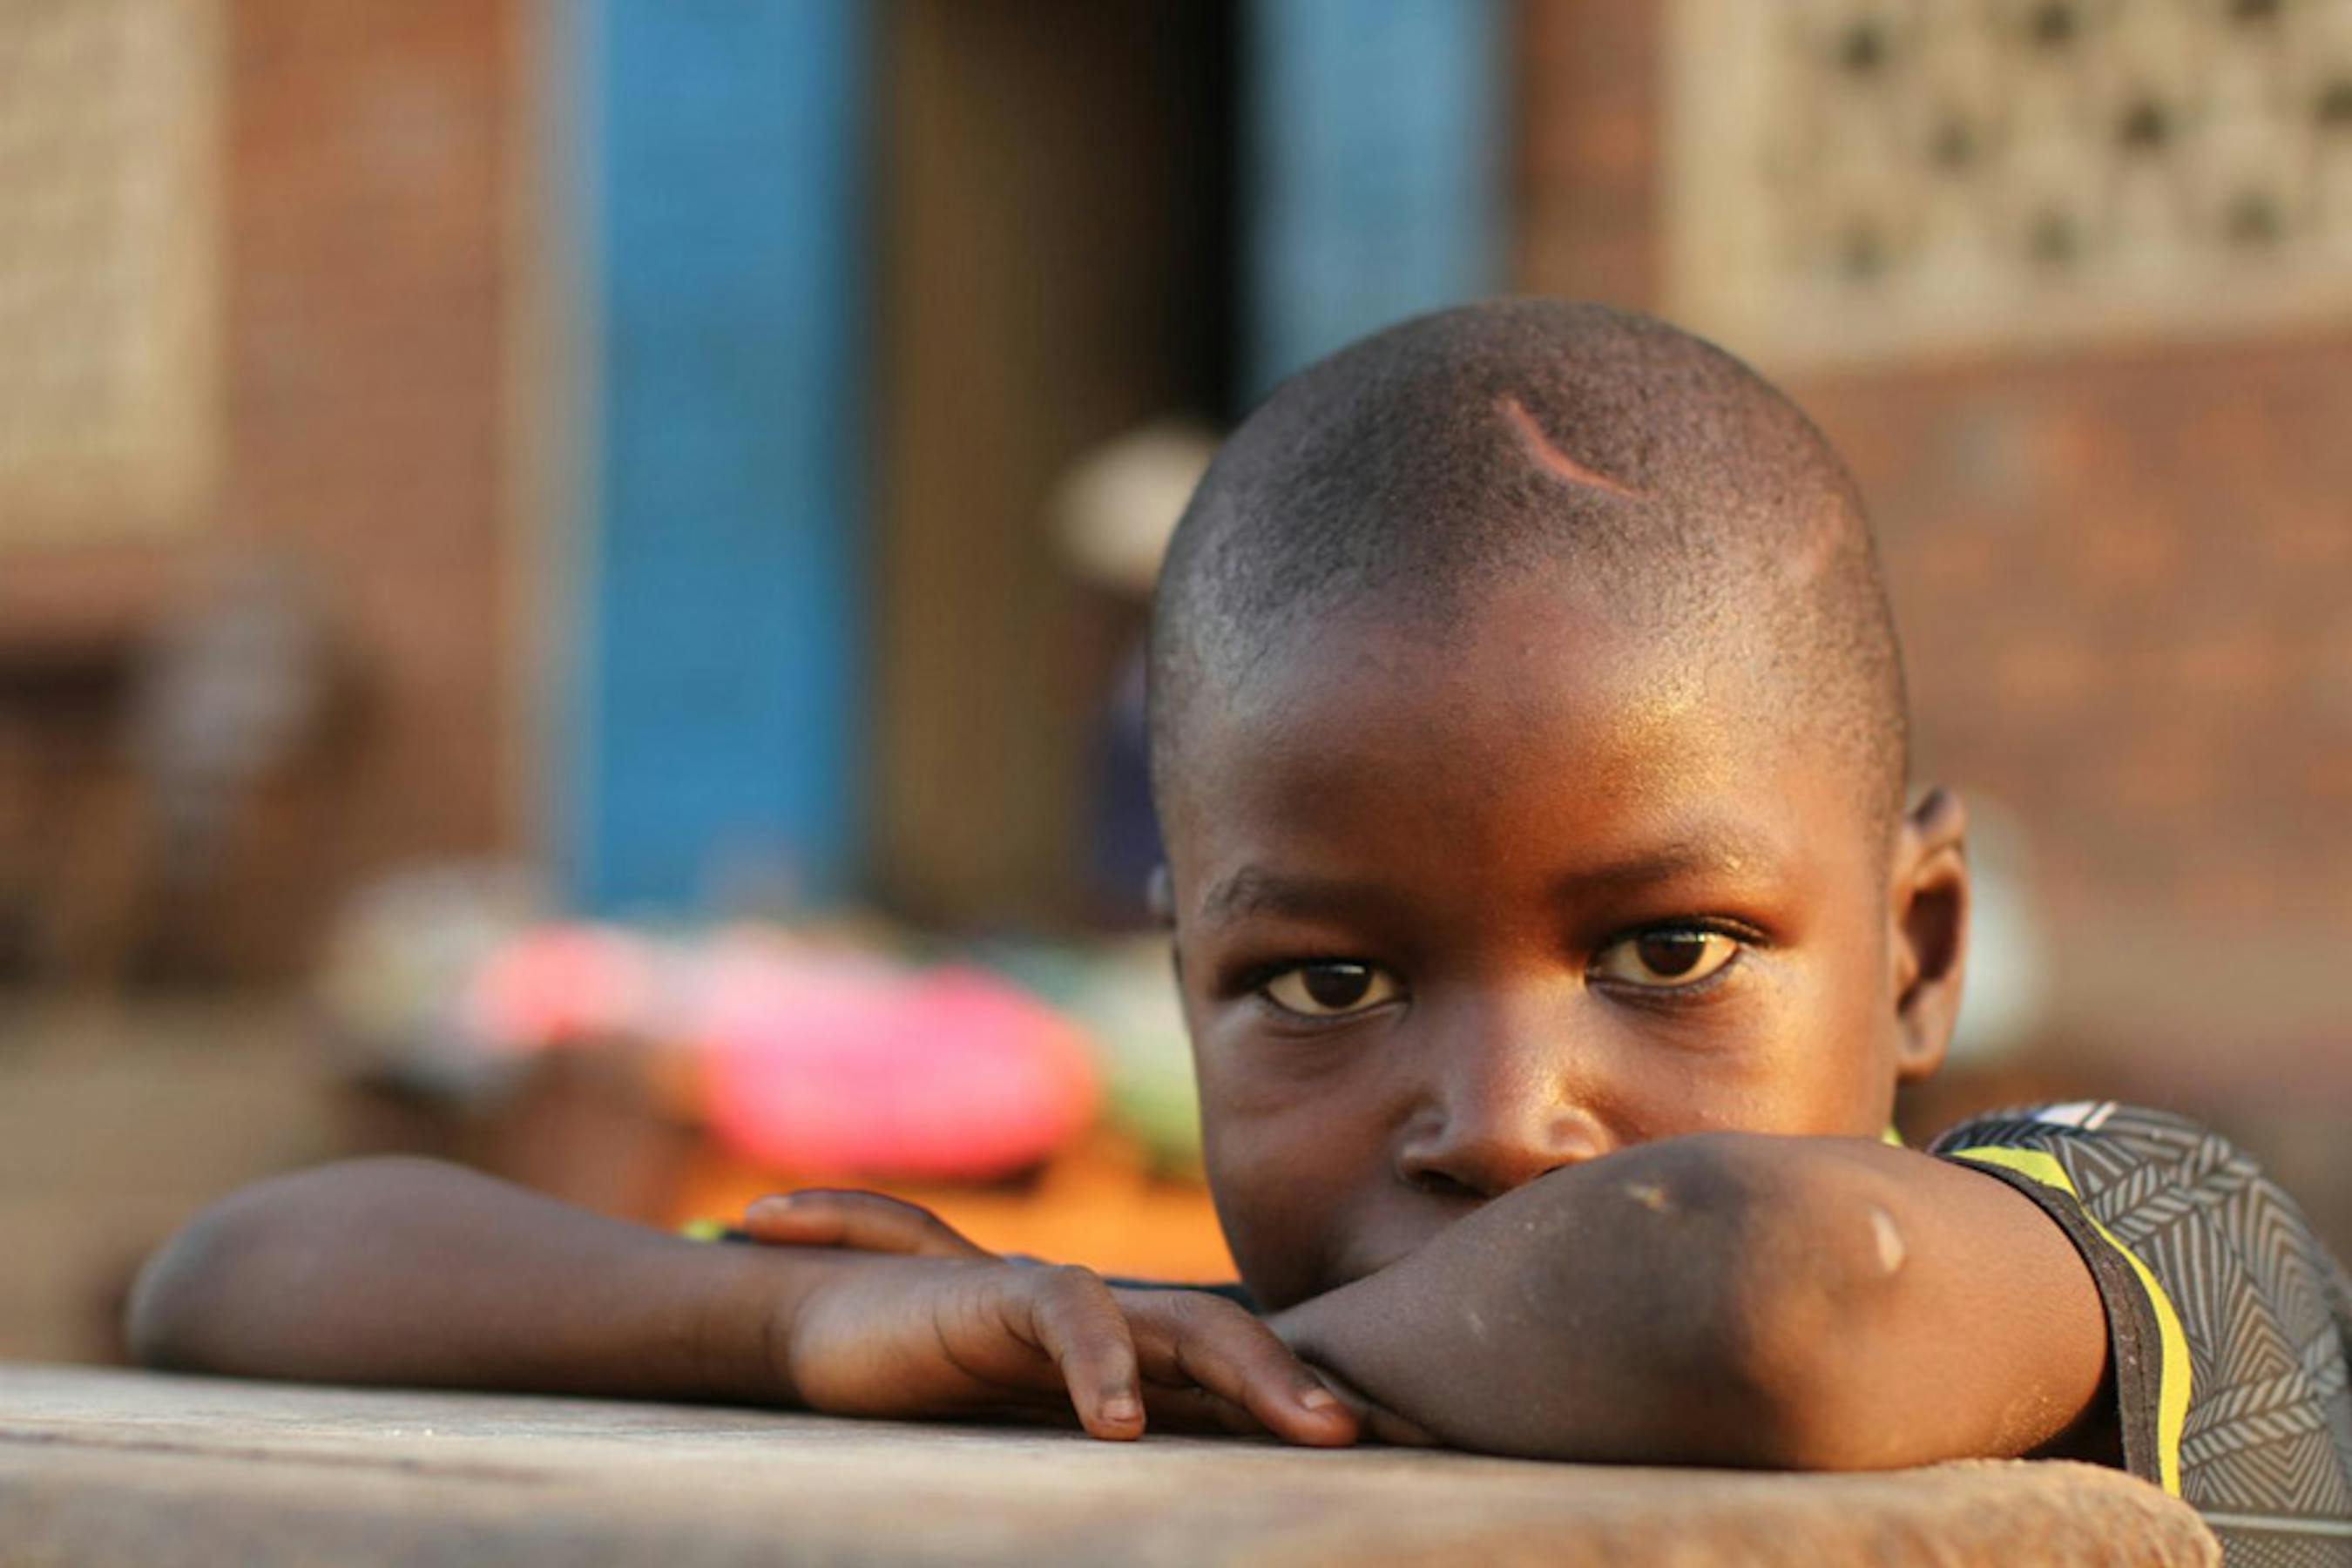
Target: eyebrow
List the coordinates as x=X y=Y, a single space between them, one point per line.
x=1254 y=890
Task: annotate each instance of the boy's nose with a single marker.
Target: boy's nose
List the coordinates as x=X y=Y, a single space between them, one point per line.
x=1499 y=1112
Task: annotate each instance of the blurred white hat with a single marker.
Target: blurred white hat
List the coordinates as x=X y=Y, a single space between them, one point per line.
x=1115 y=508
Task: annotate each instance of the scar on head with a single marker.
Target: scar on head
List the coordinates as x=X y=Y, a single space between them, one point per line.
x=1550 y=459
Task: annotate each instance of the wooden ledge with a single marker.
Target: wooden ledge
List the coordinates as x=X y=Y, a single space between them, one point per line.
x=113 y=1466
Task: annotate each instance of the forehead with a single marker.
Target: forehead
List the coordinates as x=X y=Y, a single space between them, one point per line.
x=1537 y=717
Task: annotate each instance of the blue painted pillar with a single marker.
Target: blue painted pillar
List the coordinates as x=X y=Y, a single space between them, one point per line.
x=716 y=683
x=1375 y=152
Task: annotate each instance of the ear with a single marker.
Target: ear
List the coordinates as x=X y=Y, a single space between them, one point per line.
x=1929 y=906
x=1160 y=895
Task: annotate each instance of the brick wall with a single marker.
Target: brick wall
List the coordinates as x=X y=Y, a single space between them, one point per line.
x=369 y=197
x=2125 y=582
x=368 y=202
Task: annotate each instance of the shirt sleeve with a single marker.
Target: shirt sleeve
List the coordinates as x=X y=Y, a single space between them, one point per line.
x=2229 y=1325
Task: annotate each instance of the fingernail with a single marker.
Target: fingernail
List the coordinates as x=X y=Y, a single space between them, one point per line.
x=1121 y=1407
x=1318 y=1399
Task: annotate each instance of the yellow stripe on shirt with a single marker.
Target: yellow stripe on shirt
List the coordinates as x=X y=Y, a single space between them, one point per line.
x=2173 y=1380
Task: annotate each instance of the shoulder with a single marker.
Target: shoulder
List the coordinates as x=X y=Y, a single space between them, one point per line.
x=2128 y=1166
x=2230 y=1323
x=2080 y=1125
x=2149 y=1178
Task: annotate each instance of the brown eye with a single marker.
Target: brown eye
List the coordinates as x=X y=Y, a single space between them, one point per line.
x=1331 y=989
x=1666 y=958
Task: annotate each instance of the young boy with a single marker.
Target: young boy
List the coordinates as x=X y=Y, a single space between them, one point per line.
x=1528 y=736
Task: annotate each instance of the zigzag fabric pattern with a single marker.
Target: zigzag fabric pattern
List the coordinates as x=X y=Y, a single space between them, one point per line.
x=2264 y=1447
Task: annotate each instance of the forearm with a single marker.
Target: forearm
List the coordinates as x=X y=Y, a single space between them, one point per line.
x=1561 y=1321
x=410 y=1272
x=1730 y=1300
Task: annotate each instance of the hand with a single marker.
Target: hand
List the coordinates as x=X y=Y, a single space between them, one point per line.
x=861 y=1222
x=932 y=1336
x=872 y=1222
x=998 y=1333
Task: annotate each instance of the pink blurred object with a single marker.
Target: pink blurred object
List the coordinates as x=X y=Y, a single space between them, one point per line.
x=840 y=1065
x=560 y=985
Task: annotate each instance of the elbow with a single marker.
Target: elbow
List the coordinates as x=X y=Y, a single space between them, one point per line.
x=1796 y=1263
x=163 y=1321
x=196 y=1295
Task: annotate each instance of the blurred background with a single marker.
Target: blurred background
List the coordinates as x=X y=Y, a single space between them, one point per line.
x=570 y=570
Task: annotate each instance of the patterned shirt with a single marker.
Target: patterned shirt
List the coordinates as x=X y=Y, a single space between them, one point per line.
x=2231 y=1326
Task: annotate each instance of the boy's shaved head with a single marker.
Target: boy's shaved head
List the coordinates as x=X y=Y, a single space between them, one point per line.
x=1527 y=736
x=1536 y=441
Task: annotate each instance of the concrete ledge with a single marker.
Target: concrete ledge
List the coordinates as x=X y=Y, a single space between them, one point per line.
x=100 y=1467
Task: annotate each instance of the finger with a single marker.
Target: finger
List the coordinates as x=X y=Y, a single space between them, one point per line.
x=1381 y=1425
x=1217 y=1344
x=1387 y=1426
x=865 y=1222
x=1071 y=1316
x=1192 y=1408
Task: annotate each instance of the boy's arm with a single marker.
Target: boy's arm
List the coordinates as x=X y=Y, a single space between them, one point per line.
x=408 y=1271
x=1734 y=1298
x=405 y=1271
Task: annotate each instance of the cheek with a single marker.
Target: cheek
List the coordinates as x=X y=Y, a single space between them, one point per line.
x=1284 y=1160
x=1832 y=1059
x=1799 y=1046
